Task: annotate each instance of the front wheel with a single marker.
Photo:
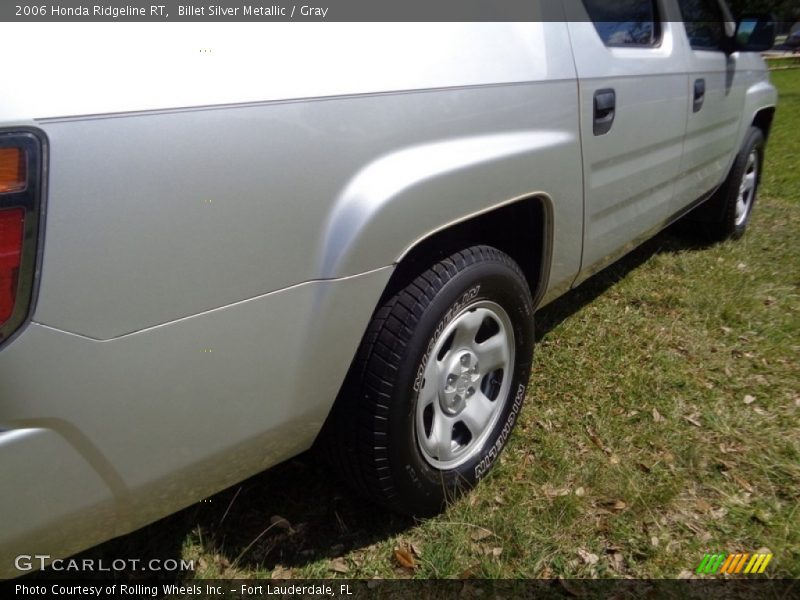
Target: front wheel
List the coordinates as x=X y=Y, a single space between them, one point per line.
x=728 y=212
x=438 y=383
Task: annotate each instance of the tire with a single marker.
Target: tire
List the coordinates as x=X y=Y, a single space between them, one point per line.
x=425 y=374
x=729 y=209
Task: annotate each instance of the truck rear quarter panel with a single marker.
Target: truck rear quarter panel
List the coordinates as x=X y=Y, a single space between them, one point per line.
x=220 y=226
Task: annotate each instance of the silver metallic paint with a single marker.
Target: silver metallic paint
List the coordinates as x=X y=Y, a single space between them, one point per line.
x=217 y=240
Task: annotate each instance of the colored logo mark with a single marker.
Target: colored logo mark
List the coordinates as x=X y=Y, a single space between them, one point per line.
x=748 y=564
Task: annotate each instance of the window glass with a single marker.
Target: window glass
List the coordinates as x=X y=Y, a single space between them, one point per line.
x=625 y=22
x=704 y=23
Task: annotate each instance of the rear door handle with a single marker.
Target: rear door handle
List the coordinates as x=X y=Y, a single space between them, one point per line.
x=699 y=94
x=605 y=109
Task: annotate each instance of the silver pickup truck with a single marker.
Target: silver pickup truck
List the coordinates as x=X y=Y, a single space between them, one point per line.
x=231 y=242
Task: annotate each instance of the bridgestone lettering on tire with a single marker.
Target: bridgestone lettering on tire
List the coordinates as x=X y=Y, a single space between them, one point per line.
x=438 y=383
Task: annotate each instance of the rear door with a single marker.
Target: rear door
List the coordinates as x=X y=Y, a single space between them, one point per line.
x=633 y=108
x=716 y=100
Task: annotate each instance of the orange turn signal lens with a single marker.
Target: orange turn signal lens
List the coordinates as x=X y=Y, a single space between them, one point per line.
x=12 y=170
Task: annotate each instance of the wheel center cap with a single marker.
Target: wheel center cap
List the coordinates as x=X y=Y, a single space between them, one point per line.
x=460 y=381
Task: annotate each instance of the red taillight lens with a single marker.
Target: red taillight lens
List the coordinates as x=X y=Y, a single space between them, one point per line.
x=11 y=222
x=21 y=157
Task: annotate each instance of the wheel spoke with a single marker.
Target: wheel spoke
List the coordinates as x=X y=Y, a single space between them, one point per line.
x=477 y=414
x=493 y=353
x=741 y=206
x=432 y=372
x=441 y=438
x=428 y=393
x=467 y=329
x=747 y=189
x=749 y=182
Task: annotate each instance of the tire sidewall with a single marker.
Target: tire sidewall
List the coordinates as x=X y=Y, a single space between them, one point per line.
x=755 y=140
x=487 y=280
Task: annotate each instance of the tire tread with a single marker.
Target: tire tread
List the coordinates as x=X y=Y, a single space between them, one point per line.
x=355 y=435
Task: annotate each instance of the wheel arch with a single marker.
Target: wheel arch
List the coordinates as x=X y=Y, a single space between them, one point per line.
x=521 y=228
x=394 y=207
x=763 y=120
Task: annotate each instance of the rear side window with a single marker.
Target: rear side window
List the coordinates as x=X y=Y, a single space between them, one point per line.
x=625 y=22
x=704 y=23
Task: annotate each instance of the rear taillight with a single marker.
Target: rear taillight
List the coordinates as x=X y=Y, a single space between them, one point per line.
x=21 y=159
x=11 y=222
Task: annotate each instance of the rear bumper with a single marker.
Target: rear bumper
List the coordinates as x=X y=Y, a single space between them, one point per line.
x=52 y=498
x=103 y=437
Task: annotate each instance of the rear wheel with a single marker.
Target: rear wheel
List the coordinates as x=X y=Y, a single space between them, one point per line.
x=438 y=383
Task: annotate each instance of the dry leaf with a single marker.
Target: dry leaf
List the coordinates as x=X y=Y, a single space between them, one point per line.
x=654 y=542
x=588 y=557
x=404 y=558
x=748 y=399
x=555 y=492
x=580 y=492
x=615 y=505
x=570 y=589
x=497 y=551
x=480 y=534
x=469 y=572
x=222 y=560
x=617 y=561
x=280 y=522
x=657 y=416
x=281 y=572
x=339 y=565
x=693 y=420
x=596 y=440
x=742 y=483
x=416 y=548
x=718 y=513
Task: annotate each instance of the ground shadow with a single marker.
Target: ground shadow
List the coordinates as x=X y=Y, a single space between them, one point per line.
x=677 y=238
x=291 y=515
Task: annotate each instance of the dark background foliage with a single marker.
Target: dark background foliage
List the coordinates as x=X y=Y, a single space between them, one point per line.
x=787 y=11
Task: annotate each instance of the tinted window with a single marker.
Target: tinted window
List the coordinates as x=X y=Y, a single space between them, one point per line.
x=625 y=22
x=703 y=20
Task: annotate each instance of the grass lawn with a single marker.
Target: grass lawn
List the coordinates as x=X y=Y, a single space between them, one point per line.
x=662 y=422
